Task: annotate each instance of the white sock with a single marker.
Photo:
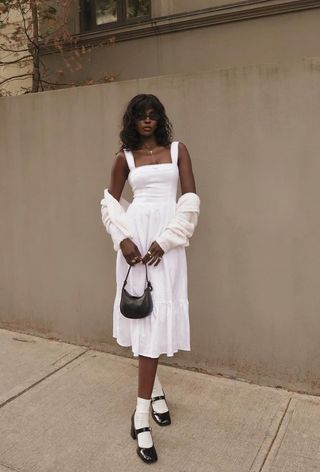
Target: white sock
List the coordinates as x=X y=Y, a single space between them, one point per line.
x=141 y=420
x=159 y=406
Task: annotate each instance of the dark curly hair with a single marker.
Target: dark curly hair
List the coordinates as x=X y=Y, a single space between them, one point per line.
x=129 y=136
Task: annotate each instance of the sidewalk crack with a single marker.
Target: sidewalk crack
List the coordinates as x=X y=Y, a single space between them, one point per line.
x=9 y=467
x=42 y=379
x=273 y=439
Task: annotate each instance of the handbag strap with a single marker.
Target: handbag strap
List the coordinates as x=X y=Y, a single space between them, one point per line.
x=148 y=282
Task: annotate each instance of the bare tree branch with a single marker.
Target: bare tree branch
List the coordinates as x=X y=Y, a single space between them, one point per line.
x=13 y=77
x=25 y=37
x=24 y=24
x=13 y=50
x=20 y=59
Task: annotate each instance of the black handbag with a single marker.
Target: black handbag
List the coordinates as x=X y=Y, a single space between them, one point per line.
x=132 y=306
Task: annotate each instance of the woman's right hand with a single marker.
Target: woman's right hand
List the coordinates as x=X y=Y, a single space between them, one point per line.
x=130 y=251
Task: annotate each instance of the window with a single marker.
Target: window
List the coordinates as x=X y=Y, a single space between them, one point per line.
x=104 y=14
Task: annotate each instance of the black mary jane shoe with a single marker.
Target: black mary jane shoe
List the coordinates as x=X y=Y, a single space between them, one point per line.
x=163 y=419
x=147 y=454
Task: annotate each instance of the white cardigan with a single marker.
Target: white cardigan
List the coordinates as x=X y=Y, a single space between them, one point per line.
x=182 y=225
x=177 y=232
x=114 y=218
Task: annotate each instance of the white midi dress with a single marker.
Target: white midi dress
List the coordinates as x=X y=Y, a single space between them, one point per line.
x=166 y=330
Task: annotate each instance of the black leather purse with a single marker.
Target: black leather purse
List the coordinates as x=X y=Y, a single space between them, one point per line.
x=132 y=306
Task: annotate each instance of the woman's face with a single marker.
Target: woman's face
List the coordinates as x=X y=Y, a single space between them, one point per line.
x=146 y=122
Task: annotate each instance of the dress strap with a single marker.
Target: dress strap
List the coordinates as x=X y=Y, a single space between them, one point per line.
x=129 y=158
x=174 y=151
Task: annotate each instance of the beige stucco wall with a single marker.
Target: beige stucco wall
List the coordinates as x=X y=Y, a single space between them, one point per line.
x=253 y=263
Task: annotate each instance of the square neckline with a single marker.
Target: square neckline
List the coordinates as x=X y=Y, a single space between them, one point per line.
x=152 y=165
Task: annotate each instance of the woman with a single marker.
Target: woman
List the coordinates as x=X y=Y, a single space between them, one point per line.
x=154 y=230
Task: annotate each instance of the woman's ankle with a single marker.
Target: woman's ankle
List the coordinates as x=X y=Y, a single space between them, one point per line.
x=159 y=406
x=141 y=420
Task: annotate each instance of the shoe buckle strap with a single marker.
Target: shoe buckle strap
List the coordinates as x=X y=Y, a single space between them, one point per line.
x=160 y=397
x=141 y=430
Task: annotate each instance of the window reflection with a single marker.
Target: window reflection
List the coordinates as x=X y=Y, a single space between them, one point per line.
x=138 y=8
x=106 y=11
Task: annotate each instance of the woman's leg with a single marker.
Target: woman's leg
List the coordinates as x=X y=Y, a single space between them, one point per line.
x=140 y=419
x=149 y=383
x=147 y=372
x=159 y=405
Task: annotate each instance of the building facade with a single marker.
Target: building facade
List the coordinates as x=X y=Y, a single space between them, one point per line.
x=149 y=38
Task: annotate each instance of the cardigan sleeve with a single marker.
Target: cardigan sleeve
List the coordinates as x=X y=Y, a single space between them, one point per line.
x=116 y=234
x=181 y=227
x=113 y=214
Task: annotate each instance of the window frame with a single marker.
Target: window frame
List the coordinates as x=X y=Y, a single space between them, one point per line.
x=88 y=7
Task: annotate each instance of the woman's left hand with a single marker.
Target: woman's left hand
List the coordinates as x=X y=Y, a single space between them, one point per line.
x=155 y=256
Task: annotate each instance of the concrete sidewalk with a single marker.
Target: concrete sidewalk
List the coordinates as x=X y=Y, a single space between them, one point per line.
x=67 y=408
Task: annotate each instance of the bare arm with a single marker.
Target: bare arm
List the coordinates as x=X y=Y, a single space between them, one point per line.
x=187 y=181
x=119 y=175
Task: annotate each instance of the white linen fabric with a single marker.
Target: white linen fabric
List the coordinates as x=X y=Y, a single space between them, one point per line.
x=151 y=216
x=177 y=233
